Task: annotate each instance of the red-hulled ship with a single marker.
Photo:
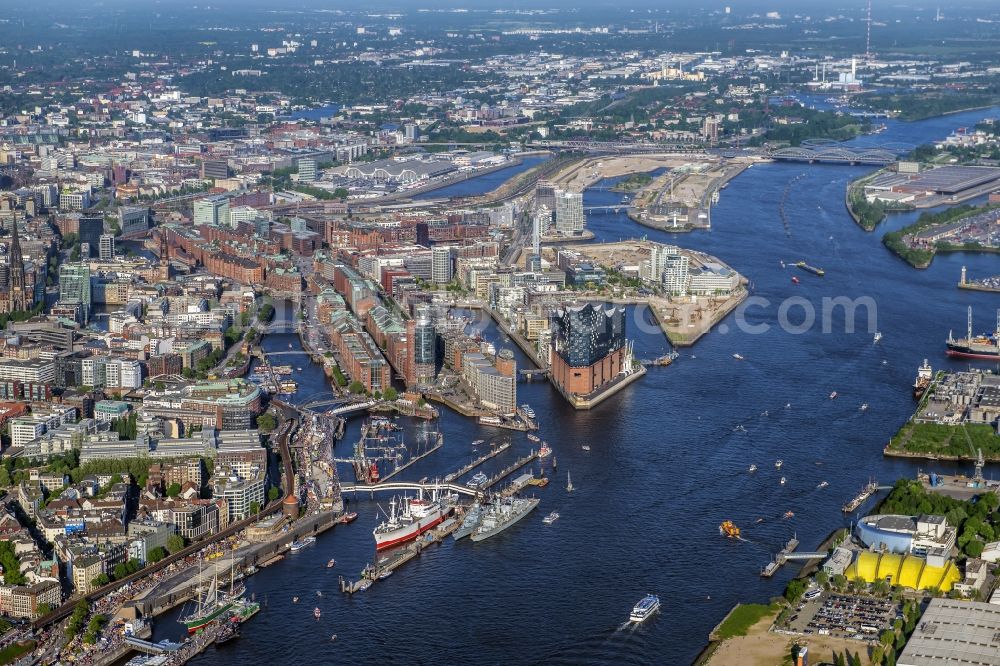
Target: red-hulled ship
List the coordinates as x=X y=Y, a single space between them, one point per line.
x=408 y=519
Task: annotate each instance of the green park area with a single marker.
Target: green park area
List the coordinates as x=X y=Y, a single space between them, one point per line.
x=942 y=440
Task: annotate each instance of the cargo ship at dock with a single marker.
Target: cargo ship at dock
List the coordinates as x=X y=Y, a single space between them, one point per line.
x=923 y=381
x=985 y=347
x=416 y=516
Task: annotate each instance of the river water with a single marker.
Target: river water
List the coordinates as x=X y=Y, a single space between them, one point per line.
x=668 y=460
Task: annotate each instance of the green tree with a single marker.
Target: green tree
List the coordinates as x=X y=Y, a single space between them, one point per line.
x=254 y=508
x=390 y=394
x=175 y=543
x=273 y=494
x=174 y=490
x=44 y=609
x=100 y=580
x=356 y=387
x=267 y=422
x=156 y=554
x=794 y=590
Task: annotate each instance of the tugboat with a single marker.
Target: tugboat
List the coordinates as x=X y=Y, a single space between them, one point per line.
x=728 y=529
x=924 y=375
x=645 y=609
x=545 y=451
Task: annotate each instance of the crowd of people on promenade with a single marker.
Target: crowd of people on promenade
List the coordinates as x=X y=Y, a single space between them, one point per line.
x=112 y=636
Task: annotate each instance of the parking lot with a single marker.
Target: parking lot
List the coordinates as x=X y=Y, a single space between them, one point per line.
x=844 y=615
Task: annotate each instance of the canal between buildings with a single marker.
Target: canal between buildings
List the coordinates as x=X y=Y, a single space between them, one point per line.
x=668 y=459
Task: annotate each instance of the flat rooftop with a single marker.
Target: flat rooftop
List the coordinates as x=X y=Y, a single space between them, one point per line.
x=955 y=632
x=952 y=179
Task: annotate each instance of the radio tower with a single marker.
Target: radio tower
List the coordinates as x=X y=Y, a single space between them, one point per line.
x=868 y=34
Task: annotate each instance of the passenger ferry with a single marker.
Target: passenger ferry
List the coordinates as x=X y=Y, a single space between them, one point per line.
x=645 y=609
x=299 y=545
x=478 y=480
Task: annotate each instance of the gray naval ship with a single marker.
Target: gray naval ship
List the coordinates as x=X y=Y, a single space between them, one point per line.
x=472 y=518
x=502 y=514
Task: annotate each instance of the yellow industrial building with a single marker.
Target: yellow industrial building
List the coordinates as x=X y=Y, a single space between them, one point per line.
x=904 y=570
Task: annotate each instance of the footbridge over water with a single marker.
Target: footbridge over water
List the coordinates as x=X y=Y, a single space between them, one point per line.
x=163 y=647
x=398 y=486
x=781 y=558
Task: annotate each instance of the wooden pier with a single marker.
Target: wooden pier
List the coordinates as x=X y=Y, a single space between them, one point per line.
x=382 y=567
x=781 y=558
x=510 y=469
x=440 y=443
x=477 y=462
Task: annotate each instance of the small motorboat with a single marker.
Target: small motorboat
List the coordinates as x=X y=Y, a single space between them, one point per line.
x=833 y=396
x=319 y=593
x=551 y=518
x=782 y=482
x=295 y=600
x=795 y=280
x=331 y=564
x=753 y=467
x=822 y=484
x=738 y=357
x=317 y=612
x=878 y=337
x=385 y=574
x=758 y=521
x=585 y=447
x=788 y=514
x=863 y=407
x=778 y=463
x=334 y=637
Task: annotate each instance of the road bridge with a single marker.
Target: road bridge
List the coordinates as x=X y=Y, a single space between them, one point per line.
x=832 y=152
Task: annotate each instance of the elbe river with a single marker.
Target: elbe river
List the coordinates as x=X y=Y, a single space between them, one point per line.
x=668 y=459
